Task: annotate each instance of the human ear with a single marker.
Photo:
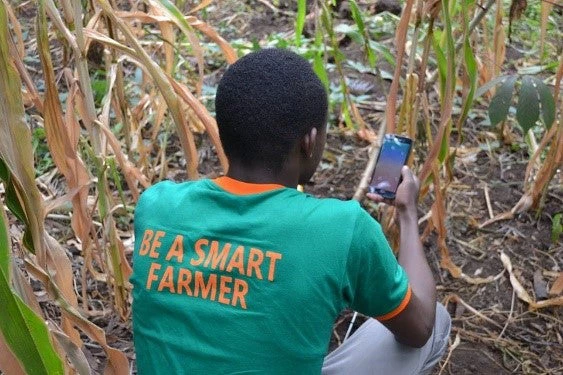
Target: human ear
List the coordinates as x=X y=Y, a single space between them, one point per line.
x=308 y=143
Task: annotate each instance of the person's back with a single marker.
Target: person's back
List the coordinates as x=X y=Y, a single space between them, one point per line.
x=235 y=277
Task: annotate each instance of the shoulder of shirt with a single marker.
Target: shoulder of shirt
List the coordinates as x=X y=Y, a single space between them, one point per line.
x=162 y=189
x=350 y=208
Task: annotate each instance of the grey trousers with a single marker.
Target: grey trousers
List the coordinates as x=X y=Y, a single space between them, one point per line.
x=372 y=349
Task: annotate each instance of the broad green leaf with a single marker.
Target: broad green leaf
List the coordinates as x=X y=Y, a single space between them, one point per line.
x=528 y=108
x=300 y=20
x=23 y=331
x=489 y=85
x=547 y=102
x=498 y=108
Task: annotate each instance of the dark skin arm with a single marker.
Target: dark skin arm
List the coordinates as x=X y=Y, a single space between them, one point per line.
x=413 y=326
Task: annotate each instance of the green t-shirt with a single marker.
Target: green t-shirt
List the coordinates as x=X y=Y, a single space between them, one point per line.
x=238 y=278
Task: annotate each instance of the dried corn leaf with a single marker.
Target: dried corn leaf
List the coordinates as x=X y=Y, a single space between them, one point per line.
x=9 y=364
x=117 y=361
x=200 y=6
x=521 y=291
x=160 y=79
x=439 y=222
x=228 y=51
x=21 y=329
x=104 y=39
x=16 y=146
x=499 y=44
x=169 y=38
x=207 y=120
x=62 y=139
x=73 y=352
x=16 y=28
x=174 y=14
x=60 y=267
x=557 y=286
x=130 y=171
x=22 y=287
x=401 y=38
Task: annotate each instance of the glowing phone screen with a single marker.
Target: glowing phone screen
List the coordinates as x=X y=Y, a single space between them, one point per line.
x=393 y=155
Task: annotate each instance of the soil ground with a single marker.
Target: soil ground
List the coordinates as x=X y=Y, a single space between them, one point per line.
x=497 y=333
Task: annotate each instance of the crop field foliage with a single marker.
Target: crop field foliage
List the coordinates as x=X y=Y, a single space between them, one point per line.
x=93 y=92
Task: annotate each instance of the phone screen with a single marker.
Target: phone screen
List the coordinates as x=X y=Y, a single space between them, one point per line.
x=392 y=156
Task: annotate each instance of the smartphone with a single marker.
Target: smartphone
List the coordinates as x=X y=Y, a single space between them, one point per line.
x=394 y=153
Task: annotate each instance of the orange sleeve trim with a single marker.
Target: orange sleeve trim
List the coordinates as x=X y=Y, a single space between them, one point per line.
x=399 y=309
x=244 y=188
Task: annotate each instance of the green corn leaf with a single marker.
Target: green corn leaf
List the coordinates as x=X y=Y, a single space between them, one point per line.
x=442 y=65
x=318 y=61
x=547 y=102
x=176 y=14
x=449 y=44
x=23 y=331
x=300 y=20
x=445 y=145
x=528 y=108
x=116 y=179
x=4 y=242
x=357 y=17
x=498 y=109
x=470 y=68
x=384 y=51
x=319 y=68
x=346 y=115
x=326 y=20
x=12 y=200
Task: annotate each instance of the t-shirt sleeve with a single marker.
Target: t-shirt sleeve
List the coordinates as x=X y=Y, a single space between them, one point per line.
x=374 y=283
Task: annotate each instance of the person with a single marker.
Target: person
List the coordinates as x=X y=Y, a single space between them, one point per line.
x=244 y=274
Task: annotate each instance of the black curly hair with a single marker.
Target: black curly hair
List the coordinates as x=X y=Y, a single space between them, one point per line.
x=266 y=102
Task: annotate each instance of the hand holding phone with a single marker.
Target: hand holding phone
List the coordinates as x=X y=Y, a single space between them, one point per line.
x=393 y=155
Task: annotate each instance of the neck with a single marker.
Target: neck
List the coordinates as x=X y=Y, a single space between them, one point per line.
x=262 y=175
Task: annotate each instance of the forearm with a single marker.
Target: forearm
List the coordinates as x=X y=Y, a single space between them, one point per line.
x=413 y=260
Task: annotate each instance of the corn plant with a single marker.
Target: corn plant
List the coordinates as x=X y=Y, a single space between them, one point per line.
x=456 y=54
x=98 y=148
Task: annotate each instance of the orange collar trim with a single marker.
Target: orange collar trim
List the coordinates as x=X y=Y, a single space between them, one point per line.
x=244 y=188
